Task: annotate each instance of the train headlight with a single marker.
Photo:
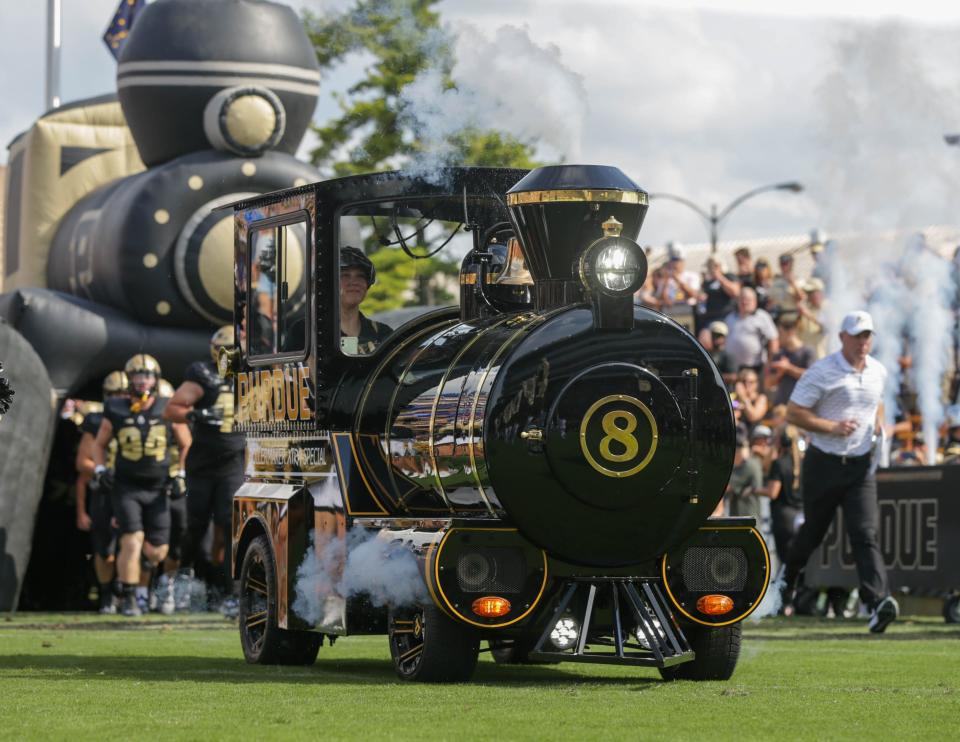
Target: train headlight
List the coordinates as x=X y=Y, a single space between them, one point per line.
x=617 y=268
x=613 y=264
x=565 y=633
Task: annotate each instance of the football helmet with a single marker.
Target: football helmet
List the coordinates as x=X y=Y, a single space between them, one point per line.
x=115 y=384
x=222 y=338
x=143 y=375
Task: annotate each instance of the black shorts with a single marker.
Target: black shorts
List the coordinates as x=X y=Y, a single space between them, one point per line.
x=208 y=496
x=178 y=525
x=102 y=533
x=143 y=507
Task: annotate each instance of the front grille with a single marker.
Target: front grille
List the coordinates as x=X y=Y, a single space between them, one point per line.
x=714 y=568
x=483 y=569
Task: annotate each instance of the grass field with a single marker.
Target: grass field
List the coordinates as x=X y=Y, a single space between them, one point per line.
x=82 y=677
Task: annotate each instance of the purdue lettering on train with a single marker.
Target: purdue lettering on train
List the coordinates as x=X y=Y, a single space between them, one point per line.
x=274 y=395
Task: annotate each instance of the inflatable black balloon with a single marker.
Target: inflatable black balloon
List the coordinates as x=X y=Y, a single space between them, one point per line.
x=6 y=394
x=113 y=243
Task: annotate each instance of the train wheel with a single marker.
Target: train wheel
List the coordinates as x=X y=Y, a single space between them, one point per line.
x=717 y=653
x=428 y=647
x=951 y=609
x=263 y=642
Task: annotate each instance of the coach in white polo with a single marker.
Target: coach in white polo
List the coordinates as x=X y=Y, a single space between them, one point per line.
x=838 y=399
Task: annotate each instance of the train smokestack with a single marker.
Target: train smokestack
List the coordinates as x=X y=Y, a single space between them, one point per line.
x=559 y=210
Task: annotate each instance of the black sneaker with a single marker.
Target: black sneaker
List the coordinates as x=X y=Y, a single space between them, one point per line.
x=884 y=613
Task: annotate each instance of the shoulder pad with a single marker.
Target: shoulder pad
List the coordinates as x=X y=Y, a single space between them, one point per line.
x=116 y=408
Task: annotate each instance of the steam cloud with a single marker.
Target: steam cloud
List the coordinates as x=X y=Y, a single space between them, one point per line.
x=362 y=563
x=507 y=83
x=884 y=170
x=772 y=601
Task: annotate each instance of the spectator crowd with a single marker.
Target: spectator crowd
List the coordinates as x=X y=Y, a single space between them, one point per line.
x=763 y=331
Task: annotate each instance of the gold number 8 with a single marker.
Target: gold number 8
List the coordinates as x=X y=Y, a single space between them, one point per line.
x=620 y=434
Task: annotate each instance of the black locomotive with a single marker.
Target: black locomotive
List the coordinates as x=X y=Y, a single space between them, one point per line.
x=546 y=455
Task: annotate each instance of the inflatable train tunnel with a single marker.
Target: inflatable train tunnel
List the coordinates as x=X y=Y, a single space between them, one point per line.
x=111 y=246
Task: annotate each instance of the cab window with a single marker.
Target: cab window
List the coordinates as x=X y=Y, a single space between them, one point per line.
x=397 y=260
x=277 y=313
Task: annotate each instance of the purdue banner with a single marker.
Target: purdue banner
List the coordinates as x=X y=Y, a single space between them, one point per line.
x=919 y=533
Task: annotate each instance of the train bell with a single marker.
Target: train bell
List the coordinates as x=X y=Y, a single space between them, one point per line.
x=516 y=272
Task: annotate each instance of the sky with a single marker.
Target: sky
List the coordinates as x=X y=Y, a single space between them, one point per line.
x=704 y=100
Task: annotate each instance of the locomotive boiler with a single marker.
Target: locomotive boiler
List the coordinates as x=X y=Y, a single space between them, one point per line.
x=535 y=468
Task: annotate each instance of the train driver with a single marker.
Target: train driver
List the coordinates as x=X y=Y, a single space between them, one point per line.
x=358 y=334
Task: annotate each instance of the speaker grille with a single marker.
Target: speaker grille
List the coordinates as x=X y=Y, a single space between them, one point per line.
x=491 y=570
x=714 y=568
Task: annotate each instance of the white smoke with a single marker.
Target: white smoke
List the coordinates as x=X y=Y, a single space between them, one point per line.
x=931 y=330
x=772 y=601
x=364 y=562
x=885 y=170
x=506 y=82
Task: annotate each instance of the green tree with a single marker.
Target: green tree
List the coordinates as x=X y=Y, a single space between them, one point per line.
x=404 y=39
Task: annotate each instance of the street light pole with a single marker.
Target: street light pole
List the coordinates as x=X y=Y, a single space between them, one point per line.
x=713 y=218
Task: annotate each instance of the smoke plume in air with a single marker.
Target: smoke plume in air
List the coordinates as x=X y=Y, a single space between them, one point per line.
x=884 y=171
x=507 y=83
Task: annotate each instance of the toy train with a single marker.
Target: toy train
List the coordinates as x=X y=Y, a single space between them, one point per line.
x=539 y=464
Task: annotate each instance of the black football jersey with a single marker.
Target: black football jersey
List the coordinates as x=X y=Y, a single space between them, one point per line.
x=216 y=449
x=91 y=425
x=143 y=441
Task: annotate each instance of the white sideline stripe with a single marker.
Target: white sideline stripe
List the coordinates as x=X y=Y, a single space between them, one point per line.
x=212 y=81
x=253 y=68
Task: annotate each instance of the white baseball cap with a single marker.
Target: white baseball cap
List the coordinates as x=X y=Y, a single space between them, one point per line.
x=857 y=322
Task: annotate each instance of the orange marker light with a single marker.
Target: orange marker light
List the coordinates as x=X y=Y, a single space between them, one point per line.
x=715 y=605
x=491 y=606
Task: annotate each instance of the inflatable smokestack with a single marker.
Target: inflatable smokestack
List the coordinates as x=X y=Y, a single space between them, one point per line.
x=217 y=95
x=111 y=244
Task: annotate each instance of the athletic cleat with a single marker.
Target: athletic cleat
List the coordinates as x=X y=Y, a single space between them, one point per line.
x=143 y=604
x=884 y=614
x=182 y=587
x=230 y=607
x=108 y=609
x=165 y=598
x=131 y=607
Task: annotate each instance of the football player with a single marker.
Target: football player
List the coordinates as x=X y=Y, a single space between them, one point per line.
x=215 y=461
x=139 y=491
x=95 y=512
x=163 y=598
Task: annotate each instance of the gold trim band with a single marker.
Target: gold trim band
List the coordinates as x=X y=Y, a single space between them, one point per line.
x=576 y=195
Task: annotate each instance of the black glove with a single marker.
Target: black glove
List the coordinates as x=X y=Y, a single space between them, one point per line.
x=177 y=487
x=206 y=416
x=102 y=480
